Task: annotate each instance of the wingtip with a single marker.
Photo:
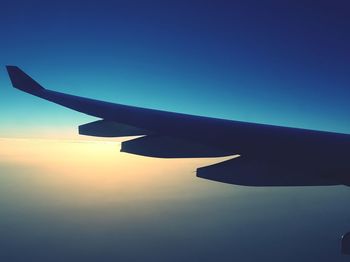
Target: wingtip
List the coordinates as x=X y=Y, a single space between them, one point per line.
x=10 y=67
x=21 y=80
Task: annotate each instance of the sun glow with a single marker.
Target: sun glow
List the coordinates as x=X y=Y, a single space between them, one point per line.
x=95 y=170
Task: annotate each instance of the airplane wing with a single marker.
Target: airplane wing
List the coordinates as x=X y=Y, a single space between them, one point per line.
x=269 y=155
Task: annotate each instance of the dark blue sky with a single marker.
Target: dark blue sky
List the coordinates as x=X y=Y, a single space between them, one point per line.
x=277 y=62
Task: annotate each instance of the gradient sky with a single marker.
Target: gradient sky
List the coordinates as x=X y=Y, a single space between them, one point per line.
x=277 y=62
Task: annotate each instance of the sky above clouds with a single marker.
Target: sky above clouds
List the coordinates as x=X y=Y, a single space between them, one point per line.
x=276 y=62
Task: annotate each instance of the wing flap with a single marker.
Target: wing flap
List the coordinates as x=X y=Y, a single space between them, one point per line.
x=257 y=172
x=104 y=128
x=170 y=147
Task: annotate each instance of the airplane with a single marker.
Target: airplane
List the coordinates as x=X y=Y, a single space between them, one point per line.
x=267 y=155
x=263 y=155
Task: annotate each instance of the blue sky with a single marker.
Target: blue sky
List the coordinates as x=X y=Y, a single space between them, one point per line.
x=276 y=62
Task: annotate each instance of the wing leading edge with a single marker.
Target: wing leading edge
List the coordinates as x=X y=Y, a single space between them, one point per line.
x=168 y=134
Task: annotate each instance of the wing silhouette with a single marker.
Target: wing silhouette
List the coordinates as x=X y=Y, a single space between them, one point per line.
x=268 y=155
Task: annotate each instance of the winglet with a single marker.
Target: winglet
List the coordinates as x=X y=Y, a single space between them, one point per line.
x=22 y=81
